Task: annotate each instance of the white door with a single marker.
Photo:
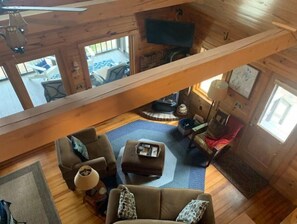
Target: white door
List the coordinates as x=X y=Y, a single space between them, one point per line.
x=269 y=135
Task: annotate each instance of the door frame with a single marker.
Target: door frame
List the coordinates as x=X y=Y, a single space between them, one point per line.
x=282 y=159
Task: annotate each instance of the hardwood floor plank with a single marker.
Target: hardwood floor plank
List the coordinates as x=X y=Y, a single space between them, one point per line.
x=267 y=206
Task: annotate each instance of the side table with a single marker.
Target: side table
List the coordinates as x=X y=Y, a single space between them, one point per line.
x=97 y=197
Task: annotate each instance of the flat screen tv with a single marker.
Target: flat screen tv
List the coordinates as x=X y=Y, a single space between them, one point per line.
x=173 y=33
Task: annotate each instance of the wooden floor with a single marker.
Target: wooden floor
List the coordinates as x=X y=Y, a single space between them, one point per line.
x=267 y=207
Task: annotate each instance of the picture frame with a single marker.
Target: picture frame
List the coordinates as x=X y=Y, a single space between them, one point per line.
x=242 y=79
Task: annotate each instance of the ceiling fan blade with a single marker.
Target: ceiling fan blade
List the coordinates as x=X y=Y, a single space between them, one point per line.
x=40 y=8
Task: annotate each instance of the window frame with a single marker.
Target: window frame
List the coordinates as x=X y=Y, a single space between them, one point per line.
x=196 y=88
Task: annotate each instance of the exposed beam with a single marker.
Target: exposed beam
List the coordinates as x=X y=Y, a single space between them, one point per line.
x=35 y=127
x=98 y=10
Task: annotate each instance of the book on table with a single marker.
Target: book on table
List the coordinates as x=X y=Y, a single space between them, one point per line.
x=147 y=149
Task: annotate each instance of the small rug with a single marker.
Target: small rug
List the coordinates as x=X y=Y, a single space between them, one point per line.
x=101 y=64
x=242 y=176
x=30 y=198
x=181 y=168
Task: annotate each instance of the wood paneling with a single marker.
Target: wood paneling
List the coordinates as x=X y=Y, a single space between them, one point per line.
x=97 y=11
x=267 y=206
x=38 y=126
x=239 y=19
x=287 y=182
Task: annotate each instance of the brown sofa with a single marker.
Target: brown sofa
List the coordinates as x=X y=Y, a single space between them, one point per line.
x=100 y=153
x=158 y=205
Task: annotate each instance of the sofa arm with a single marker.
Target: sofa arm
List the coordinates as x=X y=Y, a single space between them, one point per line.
x=208 y=216
x=112 y=207
x=97 y=164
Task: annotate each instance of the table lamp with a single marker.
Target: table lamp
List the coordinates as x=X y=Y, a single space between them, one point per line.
x=217 y=91
x=86 y=178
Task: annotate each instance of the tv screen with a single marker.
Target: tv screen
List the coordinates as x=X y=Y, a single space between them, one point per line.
x=174 y=33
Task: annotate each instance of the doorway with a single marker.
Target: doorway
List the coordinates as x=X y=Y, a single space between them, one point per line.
x=269 y=135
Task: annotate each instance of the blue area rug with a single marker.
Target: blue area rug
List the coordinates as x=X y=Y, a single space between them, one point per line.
x=181 y=165
x=101 y=64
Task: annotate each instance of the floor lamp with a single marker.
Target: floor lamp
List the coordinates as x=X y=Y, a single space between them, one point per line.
x=217 y=92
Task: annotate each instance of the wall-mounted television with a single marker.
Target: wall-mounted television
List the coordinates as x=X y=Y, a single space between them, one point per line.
x=173 y=33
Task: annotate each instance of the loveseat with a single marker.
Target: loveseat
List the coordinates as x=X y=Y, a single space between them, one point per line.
x=158 y=205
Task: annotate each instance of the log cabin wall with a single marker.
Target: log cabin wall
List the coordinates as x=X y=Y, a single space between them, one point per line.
x=147 y=55
x=220 y=22
x=68 y=46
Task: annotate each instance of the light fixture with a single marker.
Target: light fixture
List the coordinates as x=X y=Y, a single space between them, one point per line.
x=86 y=178
x=14 y=33
x=217 y=92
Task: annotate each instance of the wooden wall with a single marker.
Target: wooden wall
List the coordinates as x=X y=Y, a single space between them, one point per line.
x=68 y=43
x=218 y=22
x=222 y=22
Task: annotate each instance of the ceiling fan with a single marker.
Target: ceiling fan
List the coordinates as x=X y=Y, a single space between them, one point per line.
x=13 y=33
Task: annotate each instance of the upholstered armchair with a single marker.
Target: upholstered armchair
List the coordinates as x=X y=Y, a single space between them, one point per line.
x=44 y=68
x=115 y=73
x=101 y=157
x=203 y=137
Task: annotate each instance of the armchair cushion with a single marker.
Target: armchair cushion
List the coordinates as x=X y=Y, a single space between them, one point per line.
x=193 y=211
x=79 y=149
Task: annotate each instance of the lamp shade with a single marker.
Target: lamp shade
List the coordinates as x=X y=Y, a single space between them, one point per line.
x=217 y=90
x=86 y=178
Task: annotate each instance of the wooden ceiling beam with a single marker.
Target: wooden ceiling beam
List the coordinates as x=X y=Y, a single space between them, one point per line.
x=38 y=126
x=98 y=10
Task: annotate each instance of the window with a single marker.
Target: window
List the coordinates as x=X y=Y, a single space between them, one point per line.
x=203 y=86
x=279 y=117
x=42 y=79
x=108 y=60
x=10 y=103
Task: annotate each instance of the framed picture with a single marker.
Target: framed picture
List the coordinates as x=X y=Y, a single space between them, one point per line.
x=243 y=79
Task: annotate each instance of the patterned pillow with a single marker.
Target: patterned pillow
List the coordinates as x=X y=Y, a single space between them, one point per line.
x=79 y=149
x=127 y=208
x=193 y=212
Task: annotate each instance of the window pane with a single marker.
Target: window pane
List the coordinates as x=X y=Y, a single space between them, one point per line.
x=44 y=82
x=279 y=117
x=108 y=64
x=10 y=103
x=204 y=86
x=2 y=73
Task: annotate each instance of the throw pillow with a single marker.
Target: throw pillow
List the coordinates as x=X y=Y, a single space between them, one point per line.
x=215 y=129
x=127 y=208
x=79 y=149
x=222 y=117
x=193 y=212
